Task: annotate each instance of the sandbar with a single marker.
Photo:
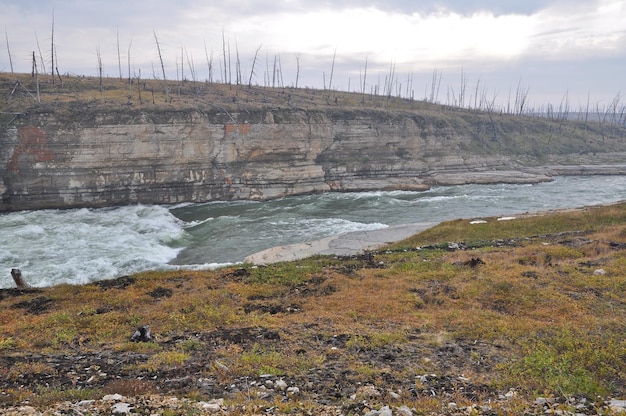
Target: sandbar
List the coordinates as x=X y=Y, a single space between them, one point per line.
x=340 y=245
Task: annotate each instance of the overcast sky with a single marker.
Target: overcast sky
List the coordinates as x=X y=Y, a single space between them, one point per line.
x=551 y=48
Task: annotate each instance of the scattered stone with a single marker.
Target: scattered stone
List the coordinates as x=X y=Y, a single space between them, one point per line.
x=385 y=411
x=113 y=398
x=293 y=391
x=281 y=385
x=404 y=411
x=142 y=334
x=368 y=391
x=618 y=406
x=212 y=406
x=27 y=410
x=599 y=272
x=121 y=409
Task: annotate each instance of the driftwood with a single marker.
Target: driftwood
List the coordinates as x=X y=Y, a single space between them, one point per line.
x=19 y=280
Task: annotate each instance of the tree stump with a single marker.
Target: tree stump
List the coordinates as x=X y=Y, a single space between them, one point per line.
x=18 y=279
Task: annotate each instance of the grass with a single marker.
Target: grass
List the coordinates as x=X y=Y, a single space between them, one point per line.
x=536 y=316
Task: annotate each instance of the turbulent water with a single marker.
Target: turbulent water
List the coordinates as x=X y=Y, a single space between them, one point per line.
x=83 y=245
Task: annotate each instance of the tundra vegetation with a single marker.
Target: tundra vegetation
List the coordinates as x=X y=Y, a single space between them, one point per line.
x=533 y=305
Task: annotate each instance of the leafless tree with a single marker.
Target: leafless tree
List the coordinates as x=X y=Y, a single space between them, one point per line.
x=238 y=79
x=209 y=62
x=6 y=35
x=435 y=85
x=100 y=73
x=36 y=74
x=230 y=68
x=274 y=73
x=476 y=93
x=41 y=60
x=461 y=100
x=156 y=39
x=166 y=89
x=521 y=96
x=56 y=67
x=191 y=65
x=256 y=54
x=297 y=69
x=129 y=76
x=364 y=79
x=332 y=70
x=119 y=57
x=52 y=48
x=224 y=52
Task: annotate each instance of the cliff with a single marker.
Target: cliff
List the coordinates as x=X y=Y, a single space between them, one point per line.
x=75 y=154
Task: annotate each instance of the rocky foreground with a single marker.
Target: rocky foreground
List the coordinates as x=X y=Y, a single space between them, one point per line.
x=364 y=402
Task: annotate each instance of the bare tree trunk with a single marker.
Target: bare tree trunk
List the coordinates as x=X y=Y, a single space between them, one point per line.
x=332 y=70
x=119 y=57
x=253 y=64
x=162 y=66
x=36 y=74
x=224 y=52
x=274 y=73
x=56 y=63
x=6 y=34
x=237 y=65
x=130 y=82
x=139 y=87
x=191 y=66
x=297 y=69
x=100 y=73
x=209 y=62
x=230 y=68
x=364 y=80
x=41 y=60
x=52 y=48
x=18 y=279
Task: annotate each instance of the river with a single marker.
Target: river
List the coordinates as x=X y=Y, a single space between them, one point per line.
x=83 y=245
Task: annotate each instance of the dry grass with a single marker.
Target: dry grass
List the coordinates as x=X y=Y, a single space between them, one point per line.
x=545 y=320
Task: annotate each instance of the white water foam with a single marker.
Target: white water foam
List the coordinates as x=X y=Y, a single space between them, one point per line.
x=80 y=246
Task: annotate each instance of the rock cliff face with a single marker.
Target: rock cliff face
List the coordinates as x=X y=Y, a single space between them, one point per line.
x=62 y=158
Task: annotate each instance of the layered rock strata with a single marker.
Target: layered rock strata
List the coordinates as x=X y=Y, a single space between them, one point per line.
x=76 y=157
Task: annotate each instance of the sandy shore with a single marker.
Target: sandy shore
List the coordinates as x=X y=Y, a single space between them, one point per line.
x=342 y=245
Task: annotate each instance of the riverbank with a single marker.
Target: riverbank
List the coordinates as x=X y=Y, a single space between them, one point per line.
x=340 y=245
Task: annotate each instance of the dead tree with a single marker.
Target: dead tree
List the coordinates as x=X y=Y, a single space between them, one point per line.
x=18 y=279
x=297 y=69
x=36 y=75
x=364 y=81
x=119 y=57
x=162 y=67
x=332 y=70
x=52 y=48
x=253 y=64
x=6 y=34
x=100 y=73
x=209 y=62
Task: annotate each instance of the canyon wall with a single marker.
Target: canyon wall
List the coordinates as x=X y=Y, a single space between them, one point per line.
x=77 y=157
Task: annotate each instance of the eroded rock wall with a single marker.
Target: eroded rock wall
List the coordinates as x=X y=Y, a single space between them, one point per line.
x=50 y=159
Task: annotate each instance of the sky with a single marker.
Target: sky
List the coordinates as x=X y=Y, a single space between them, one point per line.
x=555 y=52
